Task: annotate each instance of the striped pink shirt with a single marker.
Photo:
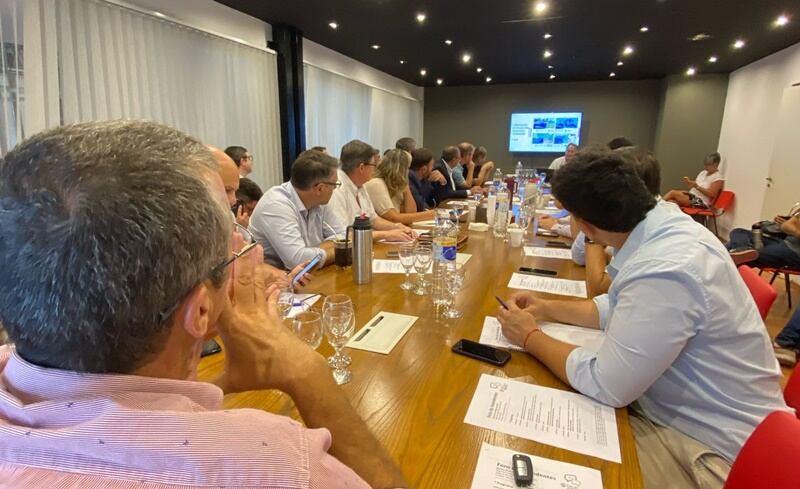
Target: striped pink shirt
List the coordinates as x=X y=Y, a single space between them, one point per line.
x=70 y=430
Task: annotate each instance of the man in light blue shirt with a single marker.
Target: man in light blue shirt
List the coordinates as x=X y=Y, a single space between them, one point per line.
x=684 y=340
x=292 y=221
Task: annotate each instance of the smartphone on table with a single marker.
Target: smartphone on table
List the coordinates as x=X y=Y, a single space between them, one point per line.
x=484 y=353
x=537 y=271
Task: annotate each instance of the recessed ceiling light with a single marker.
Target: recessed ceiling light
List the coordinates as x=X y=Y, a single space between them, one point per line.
x=781 y=21
x=159 y=14
x=423 y=72
x=376 y=46
x=700 y=36
x=612 y=75
x=448 y=42
x=421 y=17
x=333 y=25
x=549 y=67
x=439 y=81
x=548 y=36
x=552 y=76
x=540 y=7
x=712 y=59
x=547 y=53
x=620 y=63
x=402 y=61
x=488 y=79
x=739 y=44
x=466 y=58
x=478 y=69
x=644 y=28
x=691 y=71
x=627 y=51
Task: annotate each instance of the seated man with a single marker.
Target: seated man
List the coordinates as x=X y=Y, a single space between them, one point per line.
x=406 y=144
x=704 y=189
x=248 y=195
x=351 y=199
x=464 y=176
x=448 y=166
x=557 y=163
x=242 y=158
x=422 y=178
x=774 y=250
x=292 y=221
x=682 y=345
x=787 y=343
x=107 y=311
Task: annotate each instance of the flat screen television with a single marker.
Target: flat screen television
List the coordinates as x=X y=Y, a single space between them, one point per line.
x=544 y=132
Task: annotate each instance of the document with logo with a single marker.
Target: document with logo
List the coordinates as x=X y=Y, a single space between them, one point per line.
x=494 y=471
x=551 y=416
x=557 y=286
x=592 y=339
x=542 y=252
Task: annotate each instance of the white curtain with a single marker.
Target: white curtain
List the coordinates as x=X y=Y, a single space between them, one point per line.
x=12 y=95
x=105 y=61
x=339 y=109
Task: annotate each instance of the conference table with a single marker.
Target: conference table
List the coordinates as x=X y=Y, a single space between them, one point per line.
x=415 y=398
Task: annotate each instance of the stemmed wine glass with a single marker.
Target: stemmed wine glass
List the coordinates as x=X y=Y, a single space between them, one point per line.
x=308 y=327
x=407 y=256
x=454 y=279
x=285 y=302
x=422 y=261
x=338 y=318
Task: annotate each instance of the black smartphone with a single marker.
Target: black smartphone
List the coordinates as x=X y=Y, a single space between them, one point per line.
x=482 y=352
x=556 y=244
x=235 y=207
x=210 y=347
x=538 y=271
x=393 y=254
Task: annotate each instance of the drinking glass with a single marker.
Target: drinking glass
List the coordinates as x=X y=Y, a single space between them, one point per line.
x=338 y=318
x=308 y=327
x=454 y=280
x=422 y=261
x=285 y=302
x=407 y=256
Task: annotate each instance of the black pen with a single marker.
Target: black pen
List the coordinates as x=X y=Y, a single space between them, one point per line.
x=362 y=335
x=380 y=318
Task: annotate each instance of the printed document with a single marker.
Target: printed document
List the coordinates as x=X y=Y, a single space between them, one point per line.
x=557 y=286
x=542 y=252
x=592 y=339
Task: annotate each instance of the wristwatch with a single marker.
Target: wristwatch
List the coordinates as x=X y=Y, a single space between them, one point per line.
x=587 y=240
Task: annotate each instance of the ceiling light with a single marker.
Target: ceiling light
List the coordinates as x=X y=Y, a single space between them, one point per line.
x=376 y=46
x=478 y=69
x=421 y=17
x=552 y=76
x=712 y=59
x=466 y=58
x=627 y=51
x=739 y=44
x=439 y=81
x=547 y=53
x=548 y=36
x=644 y=28
x=612 y=75
x=448 y=42
x=333 y=25
x=159 y=14
x=700 y=36
x=423 y=72
x=620 y=63
x=402 y=61
x=781 y=21
x=691 y=71
x=540 y=8
x=488 y=79
x=549 y=67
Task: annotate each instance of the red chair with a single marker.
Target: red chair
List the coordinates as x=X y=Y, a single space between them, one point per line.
x=768 y=459
x=791 y=393
x=763 y=293
x=719 y=207
x=787 y=273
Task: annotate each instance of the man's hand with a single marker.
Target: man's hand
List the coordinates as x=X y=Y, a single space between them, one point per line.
x=517 y=323
x=305 y=279
x=242 y=217
x=260 y=353
x=546 y=221
x=477 y=190
x=400 y=234
x=437 y=177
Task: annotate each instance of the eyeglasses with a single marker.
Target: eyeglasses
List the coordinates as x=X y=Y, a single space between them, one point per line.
x=217 y=270
x=332 y=184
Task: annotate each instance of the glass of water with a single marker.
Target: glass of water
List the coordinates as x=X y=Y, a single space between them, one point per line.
x=454 y=280
x=308 y=327
x=338 y=319
x=285 y=302
x=422 y=261
x=407 y=255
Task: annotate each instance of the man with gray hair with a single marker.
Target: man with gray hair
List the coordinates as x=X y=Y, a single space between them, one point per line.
x=406 y=144
x=292 y=221
x=107 y=302
x=358 y=161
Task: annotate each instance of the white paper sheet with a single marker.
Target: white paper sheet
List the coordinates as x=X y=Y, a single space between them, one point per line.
x=494 y=471
x=559 y=253
x=424 y=224
x=394 y=266
x=382 y=336
x=551 y=416
x=591 y=339
x=302 y=303
x=558 y=286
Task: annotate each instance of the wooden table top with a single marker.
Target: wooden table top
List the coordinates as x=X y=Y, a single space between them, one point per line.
x=415 y=399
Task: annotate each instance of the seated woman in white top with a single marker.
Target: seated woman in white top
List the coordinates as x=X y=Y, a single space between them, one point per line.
x=389 y=192
x=703 y=191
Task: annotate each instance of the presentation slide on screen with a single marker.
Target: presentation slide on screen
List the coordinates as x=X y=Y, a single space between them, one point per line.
x=544 y=132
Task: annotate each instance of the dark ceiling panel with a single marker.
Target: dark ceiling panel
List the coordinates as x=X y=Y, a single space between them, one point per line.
x=505 y=38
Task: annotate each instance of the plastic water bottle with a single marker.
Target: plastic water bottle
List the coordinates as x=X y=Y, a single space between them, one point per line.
x=501 y=214
x=445 y=239
x=498 y=177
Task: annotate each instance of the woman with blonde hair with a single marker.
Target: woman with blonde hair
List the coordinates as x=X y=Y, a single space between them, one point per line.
x=389 y=192
x=483 y=169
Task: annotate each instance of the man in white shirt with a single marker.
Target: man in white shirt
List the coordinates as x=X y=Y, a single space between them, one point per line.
x=685 y=345
x=557 y=163
x=703 y=190
x=358 y=160
x=242 y=158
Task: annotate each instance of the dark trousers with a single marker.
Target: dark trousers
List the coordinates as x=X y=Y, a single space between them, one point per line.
x=789 y=337
x=775 y=253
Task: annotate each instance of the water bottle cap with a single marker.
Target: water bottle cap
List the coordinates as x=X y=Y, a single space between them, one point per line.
x=362 y=222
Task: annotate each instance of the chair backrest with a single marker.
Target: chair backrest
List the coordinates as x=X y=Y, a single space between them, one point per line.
x=769 y=457
x=724 y=200
x=763 y=293
x=791 y=393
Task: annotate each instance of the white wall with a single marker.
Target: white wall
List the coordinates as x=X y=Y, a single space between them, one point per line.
x=748 y=130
